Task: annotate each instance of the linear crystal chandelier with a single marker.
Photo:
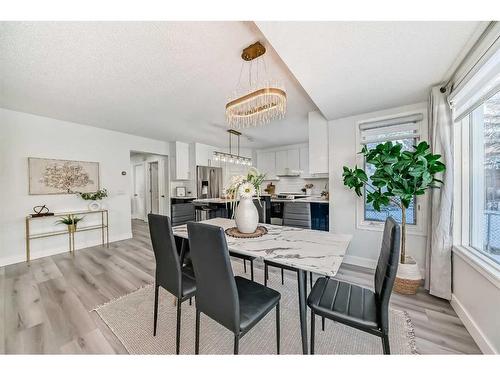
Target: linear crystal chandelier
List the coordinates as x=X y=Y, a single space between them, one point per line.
x=229 y=157
x=260 y=100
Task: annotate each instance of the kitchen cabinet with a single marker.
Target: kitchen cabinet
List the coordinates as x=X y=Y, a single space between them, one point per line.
x=266 y=163
x=180 y=161
x=318 y=143
x=304 y=161
x=293 y=160
x=281 y=162
x=288 y=162
x=204 y=154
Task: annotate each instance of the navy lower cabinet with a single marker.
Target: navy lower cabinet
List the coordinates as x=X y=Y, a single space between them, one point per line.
x=320 y=216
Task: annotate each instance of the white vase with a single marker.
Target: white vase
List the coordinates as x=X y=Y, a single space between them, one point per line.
x=246 y=216
x=94 y=206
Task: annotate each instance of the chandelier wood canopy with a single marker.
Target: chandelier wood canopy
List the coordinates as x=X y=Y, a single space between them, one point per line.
x=261 y=100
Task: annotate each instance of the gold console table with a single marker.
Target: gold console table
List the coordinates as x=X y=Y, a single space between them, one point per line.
x=103 y=226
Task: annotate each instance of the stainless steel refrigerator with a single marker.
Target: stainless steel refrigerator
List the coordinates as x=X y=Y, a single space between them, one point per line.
x=208 y=182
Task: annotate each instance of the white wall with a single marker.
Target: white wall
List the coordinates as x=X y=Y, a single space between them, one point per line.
x=343 y=148
x=476 y=299
x=23 y=135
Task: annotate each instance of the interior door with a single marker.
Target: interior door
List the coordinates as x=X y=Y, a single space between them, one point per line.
x=154 y=194
x=138 y=200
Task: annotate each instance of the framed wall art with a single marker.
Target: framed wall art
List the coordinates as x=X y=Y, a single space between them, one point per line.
x=53 y=176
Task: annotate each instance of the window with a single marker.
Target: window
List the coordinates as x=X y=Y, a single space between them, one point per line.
x=404 y=130
x=484 y=178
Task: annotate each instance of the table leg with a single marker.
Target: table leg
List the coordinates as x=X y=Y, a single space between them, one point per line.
x=302 y=282
x=107 y=229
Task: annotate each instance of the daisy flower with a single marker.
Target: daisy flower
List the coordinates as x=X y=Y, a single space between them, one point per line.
x=247 y=190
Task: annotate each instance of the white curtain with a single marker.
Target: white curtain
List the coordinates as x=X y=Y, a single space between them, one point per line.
x=440 y=237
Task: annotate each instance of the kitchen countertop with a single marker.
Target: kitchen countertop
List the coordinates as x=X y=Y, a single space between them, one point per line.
x=215 y=200
x=311 y=199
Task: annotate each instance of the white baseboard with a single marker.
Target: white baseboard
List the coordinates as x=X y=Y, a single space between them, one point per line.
x=42 y=254
x=472 y=327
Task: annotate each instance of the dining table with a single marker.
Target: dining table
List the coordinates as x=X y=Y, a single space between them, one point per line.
x=304 y=250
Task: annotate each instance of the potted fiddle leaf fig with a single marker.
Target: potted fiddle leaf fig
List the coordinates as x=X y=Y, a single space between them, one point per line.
x=399 y=176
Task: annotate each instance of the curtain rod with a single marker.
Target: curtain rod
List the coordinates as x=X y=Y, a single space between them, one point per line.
x=443 y=88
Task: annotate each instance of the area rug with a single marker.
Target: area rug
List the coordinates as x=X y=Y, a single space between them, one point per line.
x=131 y=320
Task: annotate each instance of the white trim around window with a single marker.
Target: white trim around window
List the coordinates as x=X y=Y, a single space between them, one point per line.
x=422 y=202
x=462 y=232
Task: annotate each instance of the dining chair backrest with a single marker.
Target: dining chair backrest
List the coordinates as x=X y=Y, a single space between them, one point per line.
x=168 y=267
x=216 y=293
x=387 y=267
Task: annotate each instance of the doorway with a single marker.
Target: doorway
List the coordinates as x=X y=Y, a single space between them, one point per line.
x=149 y=185
x=139 y=188
x=154 y=197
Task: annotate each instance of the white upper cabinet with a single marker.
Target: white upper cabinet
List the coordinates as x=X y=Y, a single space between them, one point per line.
x=284 y=161
x=180 y=161
x=281 y=162
x=293 y=160
x=266 y=163
x=204 y=154
x=304 y=161
x=318 y=143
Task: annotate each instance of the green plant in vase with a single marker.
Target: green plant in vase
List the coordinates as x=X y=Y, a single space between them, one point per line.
x=70 y=221
x=94 y=197
x=399 y=176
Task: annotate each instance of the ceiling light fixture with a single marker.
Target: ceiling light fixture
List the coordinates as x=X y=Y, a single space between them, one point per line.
x=259 y=102
x=229 y=157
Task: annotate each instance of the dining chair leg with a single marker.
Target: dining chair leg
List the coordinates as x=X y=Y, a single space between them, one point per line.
x=197 y=333
x=190 y=301
x=385 y=344
x=282 y=276
x=323 y=323
x=178 y=331
x=313 y=321
x=311 y=280
x=265 y=274
x=278 y=328
x=245 y=265
x=155 y=314
x=251 y=269
x=236 y=343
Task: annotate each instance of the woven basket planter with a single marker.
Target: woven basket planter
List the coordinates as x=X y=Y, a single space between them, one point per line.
x=408 y=278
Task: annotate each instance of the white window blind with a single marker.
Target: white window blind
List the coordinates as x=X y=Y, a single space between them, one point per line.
x=391 y=129
x=484 y=84
x=479 y=79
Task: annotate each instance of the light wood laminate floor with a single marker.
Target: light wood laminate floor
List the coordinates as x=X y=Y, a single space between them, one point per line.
x=46 y=306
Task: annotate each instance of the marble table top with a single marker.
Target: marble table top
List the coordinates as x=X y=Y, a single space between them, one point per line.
x=310 y=250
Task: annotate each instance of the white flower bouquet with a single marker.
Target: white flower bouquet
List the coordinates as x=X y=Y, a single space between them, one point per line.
x=244 y=186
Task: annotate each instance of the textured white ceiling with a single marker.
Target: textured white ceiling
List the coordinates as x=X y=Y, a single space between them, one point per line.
x=163 y=80
x=349 y=68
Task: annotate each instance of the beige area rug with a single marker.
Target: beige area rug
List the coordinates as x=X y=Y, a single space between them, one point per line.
x=131 y=319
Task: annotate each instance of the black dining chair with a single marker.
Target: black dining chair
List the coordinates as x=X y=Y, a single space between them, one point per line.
x=170 y=273
x=359 y=307
x=234 y=302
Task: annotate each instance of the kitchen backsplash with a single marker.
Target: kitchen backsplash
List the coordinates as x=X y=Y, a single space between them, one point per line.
x=295 y=184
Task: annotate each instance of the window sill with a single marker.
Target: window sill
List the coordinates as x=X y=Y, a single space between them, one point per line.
x=486 y=267
x=411 y=230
